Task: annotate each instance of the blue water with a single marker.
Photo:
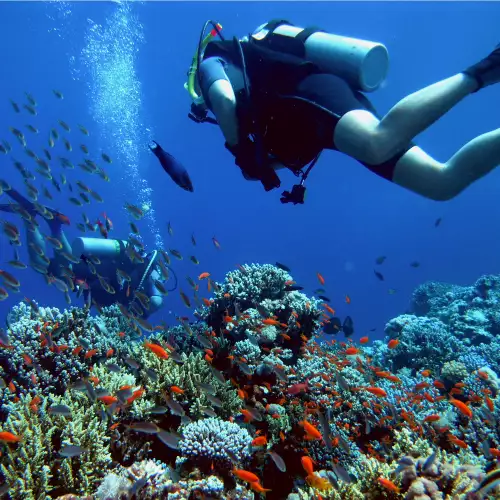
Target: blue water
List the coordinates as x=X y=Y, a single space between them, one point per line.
x=121 y=68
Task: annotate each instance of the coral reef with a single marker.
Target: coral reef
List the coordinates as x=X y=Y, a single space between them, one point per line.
x=249 y=400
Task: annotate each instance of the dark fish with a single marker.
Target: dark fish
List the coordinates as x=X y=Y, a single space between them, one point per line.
x=379 y=275
x=372 y=329
x=380 y=260
x=333 y=327
x=415 y=264
x=348 y=326
x=293 y=288
x=283 y=267
x=324 y=297
x=438 y=221
x=173 y=168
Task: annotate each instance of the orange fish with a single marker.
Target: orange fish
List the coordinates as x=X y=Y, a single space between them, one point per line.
x=245 y=475
x=376 y=391
x=425 y=373
x=307 y=463
x=432 y=418
x=90 y=353
x=177 y=389
x=363 y=340
x=109 y=353
x=489 y=403
x=203 y=276
x=256 y=486
x=462 y=407
x=156 y=349
x=351 y=350
x=392 y=343
x=259 y=441
x=270 y=321
x=311 y=431
x=8 y=437
x=388 y=484
x=108 y=400
x=329 y=309
x=320 y=278
x=28 y=361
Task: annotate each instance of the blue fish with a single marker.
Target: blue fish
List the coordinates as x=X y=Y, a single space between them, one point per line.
x=173 y=168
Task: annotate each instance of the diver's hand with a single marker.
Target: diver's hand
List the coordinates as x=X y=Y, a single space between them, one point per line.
x=246 y=157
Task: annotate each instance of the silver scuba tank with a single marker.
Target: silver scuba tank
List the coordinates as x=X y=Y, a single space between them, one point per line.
x=98 y=247
x=361 y=63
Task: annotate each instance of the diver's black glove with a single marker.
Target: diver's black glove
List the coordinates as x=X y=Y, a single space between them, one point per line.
x=246 y=157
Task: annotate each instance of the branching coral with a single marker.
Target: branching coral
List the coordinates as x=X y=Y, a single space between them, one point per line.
x=34 y=467
x=213 y=439
x=188 y=375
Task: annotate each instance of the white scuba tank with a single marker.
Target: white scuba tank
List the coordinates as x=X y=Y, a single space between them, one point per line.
x=97 y=247
x=361 y=63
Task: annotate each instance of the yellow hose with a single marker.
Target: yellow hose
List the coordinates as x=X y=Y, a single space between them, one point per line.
x=189 y=86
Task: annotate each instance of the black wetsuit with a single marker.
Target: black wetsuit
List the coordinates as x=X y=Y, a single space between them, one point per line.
x=295 y=105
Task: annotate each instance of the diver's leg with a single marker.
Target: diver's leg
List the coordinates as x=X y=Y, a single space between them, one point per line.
x=420 y=173
x=361 y=135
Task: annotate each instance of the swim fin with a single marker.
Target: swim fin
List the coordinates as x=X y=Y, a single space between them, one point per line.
x=54 y=224
x=487 y=71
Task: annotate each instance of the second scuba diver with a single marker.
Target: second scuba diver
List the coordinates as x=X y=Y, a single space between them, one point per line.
x=284 y=94
x=105 y=271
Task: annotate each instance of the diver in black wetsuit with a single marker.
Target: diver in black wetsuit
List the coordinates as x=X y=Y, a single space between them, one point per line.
x=133 y=277
x=284 y=94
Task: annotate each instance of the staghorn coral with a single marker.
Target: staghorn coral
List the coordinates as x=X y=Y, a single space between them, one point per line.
x=35 y=467
x=187 y=375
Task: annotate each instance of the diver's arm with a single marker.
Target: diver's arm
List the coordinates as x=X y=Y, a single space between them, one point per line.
x=221 y=98
x=218 y=91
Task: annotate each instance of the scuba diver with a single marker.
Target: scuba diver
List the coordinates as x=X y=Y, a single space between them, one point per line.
x=105 y=271
x=284 y=94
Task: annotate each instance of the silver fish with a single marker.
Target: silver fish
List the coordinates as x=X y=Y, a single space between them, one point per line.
x=175 y=407
x=72 y=451
x=278 y=461
x=214 y=400
x=60 y=410
x=170 y=439
x=152 y=374
x=146 y=427
x=157 y=410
